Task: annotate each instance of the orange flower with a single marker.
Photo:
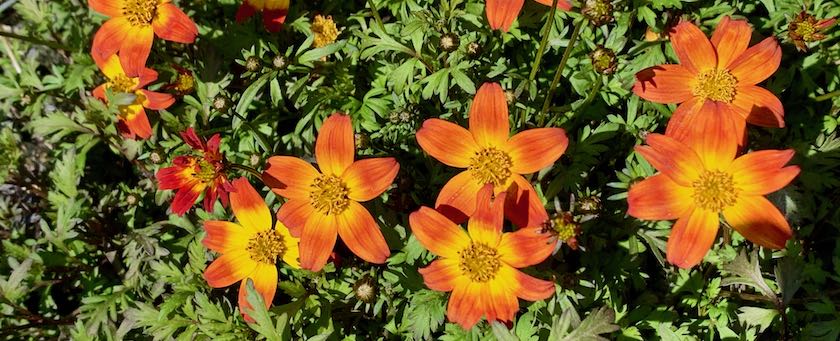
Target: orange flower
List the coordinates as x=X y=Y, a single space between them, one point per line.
x=325 y=203
x=249 y=249
x=191 y=175
x=502 y=13
x=491 y=157
x=701 y=180
x=480 y=267
x=133 y=121
x=722 y=70
x=133 y=26
x=274 y=12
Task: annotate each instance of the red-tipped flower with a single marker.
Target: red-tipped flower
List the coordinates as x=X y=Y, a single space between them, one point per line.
x=273 y=11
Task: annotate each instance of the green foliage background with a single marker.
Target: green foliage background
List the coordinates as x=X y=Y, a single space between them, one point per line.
x=89 y=251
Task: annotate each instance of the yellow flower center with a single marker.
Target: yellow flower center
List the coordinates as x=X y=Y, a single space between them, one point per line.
x=267 y=246
x=185 y=83
x=325 y=30
x=714 y=190
x=140 y=12
x=329 y=195
x=123 y=83
x=479 y=262
x=206 y=171
x=564 y=227
x=491 y=165
x=715 y=85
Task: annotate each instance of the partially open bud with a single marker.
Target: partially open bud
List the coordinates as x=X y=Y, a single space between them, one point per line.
x=131 y=200
x=598 y=12
x=253 y=64
x=155 y=157
x=221 y=103
x=589 y=205
x=449 y=42
x=603 y=60
x=563 y=228
x=805 y=28
x=280 y=62
x=365 y=289
x=473 y=49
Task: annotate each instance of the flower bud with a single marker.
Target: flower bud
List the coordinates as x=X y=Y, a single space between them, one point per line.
x=449 y=42
x=598 y=12
x=603 y=60
x=280 y=62
x=365 y=289
x=473 y=49
x=253 y=64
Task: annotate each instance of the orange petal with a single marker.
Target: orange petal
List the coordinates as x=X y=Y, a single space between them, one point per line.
x=500 y=303
x=294 y=214
x=535 y=149
x=760 y=221
x=659 y=198
x=441 y=274
x=528 y=288
x=489 y=115
x=367 y=179
x=757 y=63
x=667 y=83
x=290 y=177
x=147 y=76
x=138 y=124
x=334 y=148
x=171 y=23
x=525 y=247
x=502 y=13
x=761 y=172
x=157 y=100
x=710 y=132
x=135 y=50
x=561 y=4
x=760 y=106
x=225 y=237
x=691 y=237
x=447 y=142
x=523 y=206
x=229 y=268
x=109 y=38
x=677 y=124
x=249 y=207
x=465 y=306
x=485 y=225
x=730 y=39
x=361 y=234
x=99 y=92
x=694 y=50
x=437 y=233
x=265 y=282
x=317 y=241
x=456 y=199
x=673 y=158
x=111 y=8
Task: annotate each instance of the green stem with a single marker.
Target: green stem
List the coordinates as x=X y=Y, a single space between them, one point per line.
x=827 y=96
x=559 y=72
x=546 y=32
x=33 y=40
x=599 y=82
x=376 y=15
x=253 y=171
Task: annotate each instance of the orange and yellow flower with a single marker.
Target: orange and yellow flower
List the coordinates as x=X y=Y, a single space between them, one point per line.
x=192 y=175
x=133 y=121
x=502 y=13
x=273 y=12
x=489 y=156
x=723 y=71
x=480 y=267
x=703 y=179
x=251 y=248
x=132 y=29
x=325 y=204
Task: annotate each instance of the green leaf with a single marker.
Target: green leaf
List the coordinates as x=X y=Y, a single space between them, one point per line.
x=746 y=271
x=251 y=92
x=262 y=320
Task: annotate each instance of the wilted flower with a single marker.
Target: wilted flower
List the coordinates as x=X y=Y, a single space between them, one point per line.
x=273 y=12
x=805 y=28
x=603 y=60
x=502 y=13
x=324 y=30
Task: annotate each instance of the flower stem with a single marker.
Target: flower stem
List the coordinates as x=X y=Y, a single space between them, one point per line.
x=253 y=171
x=546 y=32
x=34 y=40
x=376 y=15
x=827 y=96
x=559 y=72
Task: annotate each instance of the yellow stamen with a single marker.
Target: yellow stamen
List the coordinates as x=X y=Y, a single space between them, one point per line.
x=185 y=83
x=715 y=85
x=267 y=246
x=479 y=262
x=329 y=195
x=140 y=12
x=325 y=30
x=123 y=83
x=206 y=172
x=491 y=165
x=714 y=190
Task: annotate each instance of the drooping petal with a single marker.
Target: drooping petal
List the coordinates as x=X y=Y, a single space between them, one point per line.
x=171 y=23
x=669 y=83
x=465 y=307
x=523 y=206
x=157 y=100
x=659 y=198
x=361 y=234
x=441 y=274
x=109 y=38
x=456 y=199
x=225 y=237
x=759 y=221
x=447 y=142
x=294 y=214
x=111 y=8
x=137 y=122
x=273 y=19
x=757 y=63
x=437 y=233
x=290 y=177
x=367 y=179
x=730 y=39
x=244 y=12
x=759 y=106
x=334 y=147
x=249 y=206
x=762 y=172
x=485 y=225
x=317 y=241
x=710 y=132
x=525 y=247
x=691 y=237
x=502 y=13
x=135 y=50
x=265 y=282
x=489 y=115
x=535 y=149
x=229 y=268
x=672 y=158
x=527 y=288
x=694 y=50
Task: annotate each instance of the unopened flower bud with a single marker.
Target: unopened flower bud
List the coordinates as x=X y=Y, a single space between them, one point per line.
x=589 y=205
x=365 y=289
x=155 y=157
x=280 y=62
x=253 y=64
x=131 y=200
x=254 y=160
x=362 y=140
x=603 y=60
x=510 y=97
x=473 y=49
x=221 y=103
x=449 y=42
x=598 y=12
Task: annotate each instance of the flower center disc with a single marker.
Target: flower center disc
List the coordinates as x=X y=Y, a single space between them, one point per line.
x=714 y=190
x=123 y=83
x=329 y=195
x=266 y=246
x=491 y=165
x=140 y=12
x=715 y=85
x=479 y=262
x=206 y=172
